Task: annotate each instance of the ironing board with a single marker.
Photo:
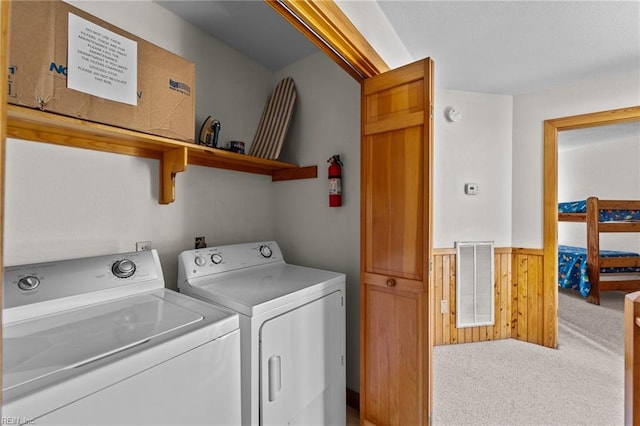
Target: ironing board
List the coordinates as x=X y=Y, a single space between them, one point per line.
x=275 y=121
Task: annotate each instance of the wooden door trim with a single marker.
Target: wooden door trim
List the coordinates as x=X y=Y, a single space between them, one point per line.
x=427 y=229
x=550 y=221
x=4 y=49
x=326 y=26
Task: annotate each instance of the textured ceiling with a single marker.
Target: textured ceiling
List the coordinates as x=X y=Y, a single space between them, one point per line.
x=503 y=47
x=519 y=46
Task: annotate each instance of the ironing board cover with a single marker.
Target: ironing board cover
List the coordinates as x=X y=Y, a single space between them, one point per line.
x=275 y=121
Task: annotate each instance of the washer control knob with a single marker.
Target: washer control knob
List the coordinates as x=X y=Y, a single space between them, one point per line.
x=200 y=261
x=216 y=258
x=265 y=251
x=123 y=268
x=29 y=283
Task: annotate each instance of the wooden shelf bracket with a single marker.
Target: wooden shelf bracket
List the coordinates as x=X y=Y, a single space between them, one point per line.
x=171 y=163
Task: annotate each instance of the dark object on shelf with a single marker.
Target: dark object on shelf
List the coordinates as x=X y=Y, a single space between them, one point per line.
x=209 y=132
x=236 y=146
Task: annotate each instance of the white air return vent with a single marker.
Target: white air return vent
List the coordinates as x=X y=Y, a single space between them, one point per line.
x=474 y=284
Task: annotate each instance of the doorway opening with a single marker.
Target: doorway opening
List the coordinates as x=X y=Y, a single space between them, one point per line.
x=552 y=128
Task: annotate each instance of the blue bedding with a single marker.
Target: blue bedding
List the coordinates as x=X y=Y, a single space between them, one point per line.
x=605 y=215
x=572 y=267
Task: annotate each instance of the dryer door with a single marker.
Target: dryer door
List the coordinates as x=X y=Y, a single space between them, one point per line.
x=302 y=372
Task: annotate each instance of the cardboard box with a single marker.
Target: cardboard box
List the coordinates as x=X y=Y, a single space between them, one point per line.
x=38 y=37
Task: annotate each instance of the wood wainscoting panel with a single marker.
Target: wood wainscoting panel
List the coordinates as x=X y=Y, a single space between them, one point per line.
x=518 y=298
x=528 y=300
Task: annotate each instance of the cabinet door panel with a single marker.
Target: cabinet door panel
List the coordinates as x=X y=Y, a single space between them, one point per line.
x=396 y=380
x=395 y=101
x=394 y=203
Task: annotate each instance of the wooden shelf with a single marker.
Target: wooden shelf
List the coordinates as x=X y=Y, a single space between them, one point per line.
x=33 y=125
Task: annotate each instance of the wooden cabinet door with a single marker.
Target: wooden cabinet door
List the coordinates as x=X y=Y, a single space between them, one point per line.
x=395 y=364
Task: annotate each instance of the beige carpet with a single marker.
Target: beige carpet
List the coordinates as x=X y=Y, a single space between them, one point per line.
x=508 y=382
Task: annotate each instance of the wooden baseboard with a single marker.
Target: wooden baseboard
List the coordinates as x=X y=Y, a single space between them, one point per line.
x=353 y=399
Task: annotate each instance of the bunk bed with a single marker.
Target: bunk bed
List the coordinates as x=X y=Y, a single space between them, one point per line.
x=591 y=270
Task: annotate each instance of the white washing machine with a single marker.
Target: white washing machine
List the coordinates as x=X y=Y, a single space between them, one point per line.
x=292 y=325
x=99 y=341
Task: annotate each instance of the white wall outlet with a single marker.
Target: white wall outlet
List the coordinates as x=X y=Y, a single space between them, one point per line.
x=444 y=306
x=143 y=246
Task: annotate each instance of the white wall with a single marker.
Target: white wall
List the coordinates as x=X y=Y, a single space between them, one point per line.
x=477 y=149
x=67 y=202
x=529 y=113
x=229 y=86
x=610 y=170
x=326 y=122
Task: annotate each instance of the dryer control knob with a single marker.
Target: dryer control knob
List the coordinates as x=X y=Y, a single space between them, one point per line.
x=29 y=283
x=216 y=258
x=123 y=268
x=265 y=251
x=200 y=261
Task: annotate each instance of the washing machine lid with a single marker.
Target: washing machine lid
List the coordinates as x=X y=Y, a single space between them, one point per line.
x=33 y=350
x=253 y=291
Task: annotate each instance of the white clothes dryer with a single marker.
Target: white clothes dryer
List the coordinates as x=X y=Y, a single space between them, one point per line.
x=100 y=341
x=292 y=326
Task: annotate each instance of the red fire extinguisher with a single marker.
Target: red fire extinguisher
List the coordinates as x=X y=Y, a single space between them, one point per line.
x=335 y=181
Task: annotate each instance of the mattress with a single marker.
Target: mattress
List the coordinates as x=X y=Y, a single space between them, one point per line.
x=572 y=267
x=605 y=215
